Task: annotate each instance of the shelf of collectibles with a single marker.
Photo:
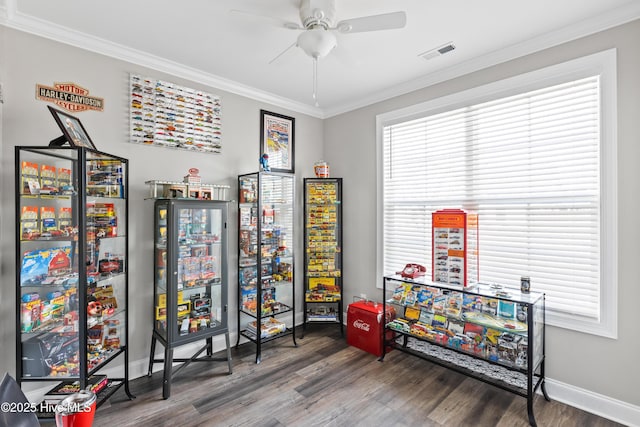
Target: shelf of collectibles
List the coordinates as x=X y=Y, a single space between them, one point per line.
x=190 y=188
x=191 y=281
x=323 y=251
x=488 y=332
x=71 y=276
x=266 y=294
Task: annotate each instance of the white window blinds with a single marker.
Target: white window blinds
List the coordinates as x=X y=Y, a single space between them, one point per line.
x=529 y=165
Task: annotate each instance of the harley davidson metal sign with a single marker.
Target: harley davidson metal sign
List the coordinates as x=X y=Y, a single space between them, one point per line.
x=69 y=96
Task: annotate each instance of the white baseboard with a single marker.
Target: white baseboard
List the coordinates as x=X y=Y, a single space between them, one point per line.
x=598 y=404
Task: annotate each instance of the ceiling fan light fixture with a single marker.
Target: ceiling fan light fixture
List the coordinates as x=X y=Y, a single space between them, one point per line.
x=317 y=13
x=317 y=43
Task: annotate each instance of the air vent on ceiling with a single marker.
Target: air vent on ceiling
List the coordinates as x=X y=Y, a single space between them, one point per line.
x=430 y=54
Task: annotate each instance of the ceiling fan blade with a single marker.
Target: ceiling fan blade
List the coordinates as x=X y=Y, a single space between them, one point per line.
x=386 y=21
x=276 y=21
x=282 y=53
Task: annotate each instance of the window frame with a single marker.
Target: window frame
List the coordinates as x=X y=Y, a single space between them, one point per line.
x=602 y=64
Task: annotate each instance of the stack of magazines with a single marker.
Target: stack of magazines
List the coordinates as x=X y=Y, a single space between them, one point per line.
x=270 y=327
x=95 y=383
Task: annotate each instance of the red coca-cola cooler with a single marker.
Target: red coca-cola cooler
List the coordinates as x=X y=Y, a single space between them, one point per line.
x=365 y=326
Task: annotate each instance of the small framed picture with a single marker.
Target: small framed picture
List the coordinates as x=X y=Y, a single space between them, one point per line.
x=277 y=138
x=72 y=130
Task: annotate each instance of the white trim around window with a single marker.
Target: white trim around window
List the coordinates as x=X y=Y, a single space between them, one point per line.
x=602 y=65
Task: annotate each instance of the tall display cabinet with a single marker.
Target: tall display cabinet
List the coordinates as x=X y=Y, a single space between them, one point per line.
x=191 y=288
x=72 y=268
x=265 y=257
x=323 y=251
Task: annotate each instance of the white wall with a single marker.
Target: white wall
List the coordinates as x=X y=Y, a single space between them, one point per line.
x=27 y=60
x=599 y=365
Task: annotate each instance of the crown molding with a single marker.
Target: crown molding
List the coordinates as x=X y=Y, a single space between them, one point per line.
x=12 y=18
x=19 y=21
x=613 y=18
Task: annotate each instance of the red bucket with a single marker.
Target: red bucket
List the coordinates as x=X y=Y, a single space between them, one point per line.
x=76 y=410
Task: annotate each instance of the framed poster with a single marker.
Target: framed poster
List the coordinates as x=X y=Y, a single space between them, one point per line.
x=277 y=138
x=72 y=129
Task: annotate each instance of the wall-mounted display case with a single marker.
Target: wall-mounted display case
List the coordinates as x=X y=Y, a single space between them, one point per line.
x=191 y=280
x=266 y=291
x=489 y=332
x=72 y=269
x=323 y=251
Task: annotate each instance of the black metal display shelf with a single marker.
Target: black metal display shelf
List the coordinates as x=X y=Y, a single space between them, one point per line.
x=516 y=319
x=112 y=356
x=273 y=313
x=102 y=396
x=266 y=235
x=508 y=378
x=323 y=249
x=67 y=242
x=190 y=283
x=317 y=320
x=253 y=337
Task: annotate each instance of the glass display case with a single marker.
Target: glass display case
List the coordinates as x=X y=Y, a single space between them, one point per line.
x=266 y=288
x=190 y=280
x=486 y=331
x=72 y=265
x=323 y=251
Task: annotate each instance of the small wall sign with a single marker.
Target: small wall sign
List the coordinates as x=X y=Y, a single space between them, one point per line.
x=69 y=96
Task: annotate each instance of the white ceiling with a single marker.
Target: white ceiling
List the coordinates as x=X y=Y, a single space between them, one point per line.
x=203 y=41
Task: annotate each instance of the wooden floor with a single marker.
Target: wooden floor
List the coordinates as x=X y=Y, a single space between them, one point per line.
x=325 y=382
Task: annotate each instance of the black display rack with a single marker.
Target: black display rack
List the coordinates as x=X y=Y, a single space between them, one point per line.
x=323 y=268
x=266 y=291
x=72 y=269
x=191 y=282
x=488 y=332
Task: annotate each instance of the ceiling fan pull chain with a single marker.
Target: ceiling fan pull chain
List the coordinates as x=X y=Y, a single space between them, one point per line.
x=315 y=81
x=318 y=28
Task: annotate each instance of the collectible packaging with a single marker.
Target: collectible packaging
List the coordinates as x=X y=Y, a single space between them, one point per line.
x=322 y=290
x=64 y=178
x=45 y=266
x=48 y=178
x=30 y=178
x=454 y=247
x=269 y=328
x=29 y=223
x=45 y=354
x=488 y=327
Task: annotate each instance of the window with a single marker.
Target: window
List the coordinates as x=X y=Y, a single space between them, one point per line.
x=535 y=157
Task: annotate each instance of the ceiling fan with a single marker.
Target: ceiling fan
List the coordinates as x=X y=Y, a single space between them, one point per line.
x=318 y=25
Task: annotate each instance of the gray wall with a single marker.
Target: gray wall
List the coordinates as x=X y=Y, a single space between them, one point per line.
x=347 y=142
x=604 y=366
x=27 y=60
